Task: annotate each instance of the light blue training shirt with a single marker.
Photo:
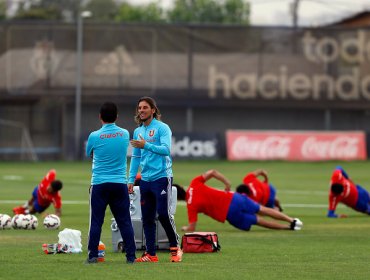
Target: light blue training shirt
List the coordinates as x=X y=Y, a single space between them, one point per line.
x=108 y=145
x=155 y=158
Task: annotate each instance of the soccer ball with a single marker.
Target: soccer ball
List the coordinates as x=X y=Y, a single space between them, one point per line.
x=17 y=221
x=5 y=221
x=52 y=221
x=34 y=222
x=26 y=221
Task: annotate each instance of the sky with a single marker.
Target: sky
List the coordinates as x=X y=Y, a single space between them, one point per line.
x=277 y=12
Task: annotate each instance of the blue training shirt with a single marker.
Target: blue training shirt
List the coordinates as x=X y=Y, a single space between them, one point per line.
x=155 y=158
x=109 y=148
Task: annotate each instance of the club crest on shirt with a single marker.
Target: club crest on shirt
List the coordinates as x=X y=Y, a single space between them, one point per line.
x=151 y=132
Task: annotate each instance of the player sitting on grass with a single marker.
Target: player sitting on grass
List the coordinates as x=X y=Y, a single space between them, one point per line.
x=343 y=189
x=47 y=192
x=237 y=209
x=259 y=191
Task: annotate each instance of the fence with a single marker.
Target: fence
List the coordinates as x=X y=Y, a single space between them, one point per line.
x=204 y=78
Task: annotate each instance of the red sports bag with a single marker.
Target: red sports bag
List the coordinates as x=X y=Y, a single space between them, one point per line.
x=200 y=242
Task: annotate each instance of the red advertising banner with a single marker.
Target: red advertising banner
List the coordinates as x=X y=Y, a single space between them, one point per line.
x=295 y=145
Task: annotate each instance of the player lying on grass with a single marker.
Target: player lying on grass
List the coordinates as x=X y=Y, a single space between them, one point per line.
x=47 y=192
x=236 y=208
x=259 y=191
x=344 y=190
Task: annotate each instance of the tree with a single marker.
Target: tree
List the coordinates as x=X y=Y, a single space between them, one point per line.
x=50 y=13
x=210 y=11
x=104 y=10
x=49 y=9
x=2 y=9
x=236 y=11
x=144 y=13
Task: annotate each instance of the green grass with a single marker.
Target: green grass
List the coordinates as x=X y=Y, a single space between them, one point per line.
x=324 y=249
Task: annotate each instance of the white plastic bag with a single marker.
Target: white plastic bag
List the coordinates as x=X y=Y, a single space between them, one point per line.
x=71 y=239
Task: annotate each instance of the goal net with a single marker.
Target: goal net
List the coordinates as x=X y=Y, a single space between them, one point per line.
x=16 y=142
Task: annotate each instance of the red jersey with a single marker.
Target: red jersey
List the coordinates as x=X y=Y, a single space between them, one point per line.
x=201 y=198
x=44 y=198
x=349 y=196
x=259 y=191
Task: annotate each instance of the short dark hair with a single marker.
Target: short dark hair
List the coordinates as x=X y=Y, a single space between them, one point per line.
x=56 y=185
x=243 y=189
x=181 y=193
x=108 y=112
x=337 y=188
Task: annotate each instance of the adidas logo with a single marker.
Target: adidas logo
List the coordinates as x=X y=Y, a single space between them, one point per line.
x=117 y=62
x=163 y=192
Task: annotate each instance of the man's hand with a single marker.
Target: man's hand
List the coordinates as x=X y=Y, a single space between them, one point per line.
x=190 y=227
x=227 y=186
x=138 y=143
x=185 y=228
x=331 y=214
x=130 y=188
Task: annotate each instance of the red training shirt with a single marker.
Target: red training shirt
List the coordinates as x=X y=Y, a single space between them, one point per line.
x=44 y=197
x=201 y=198
x=349 y=195
x=259 y=191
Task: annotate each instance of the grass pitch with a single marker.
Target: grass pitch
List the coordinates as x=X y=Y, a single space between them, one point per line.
x=324 y=249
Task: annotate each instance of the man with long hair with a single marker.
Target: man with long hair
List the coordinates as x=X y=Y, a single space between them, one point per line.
x=152 y=153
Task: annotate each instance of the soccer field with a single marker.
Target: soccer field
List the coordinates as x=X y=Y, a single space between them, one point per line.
x=324 y=249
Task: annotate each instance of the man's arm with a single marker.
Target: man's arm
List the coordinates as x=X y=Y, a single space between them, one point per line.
x=262 y=173
x=164 y=149
x=89 y=146
x=333 y=202
x=192 y=218
x=58 y=212
x=217 y=175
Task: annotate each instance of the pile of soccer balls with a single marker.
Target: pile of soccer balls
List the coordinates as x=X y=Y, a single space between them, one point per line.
x=28 y=221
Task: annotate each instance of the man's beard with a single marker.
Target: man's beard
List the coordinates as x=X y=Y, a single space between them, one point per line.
x=144 y=120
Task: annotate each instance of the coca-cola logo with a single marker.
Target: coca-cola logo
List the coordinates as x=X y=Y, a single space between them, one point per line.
x=342 y=147
x=271 y=147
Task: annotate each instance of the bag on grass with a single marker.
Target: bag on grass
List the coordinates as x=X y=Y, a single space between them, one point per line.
x=70 y=240
x=200 y=242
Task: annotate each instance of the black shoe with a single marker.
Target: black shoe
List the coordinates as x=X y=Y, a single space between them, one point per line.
x=91 y=261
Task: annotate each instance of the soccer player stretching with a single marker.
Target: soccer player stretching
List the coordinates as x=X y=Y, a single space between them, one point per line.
x=236 y=208
x=47 y=192
x=344 y=190
x=259 y=191
x=151 y=151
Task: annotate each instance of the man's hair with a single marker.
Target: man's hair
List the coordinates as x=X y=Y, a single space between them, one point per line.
x=181 y=193
x=337 y=188
x=56 y=185
x=243 y=189
x=152 y=104
x=108 y=112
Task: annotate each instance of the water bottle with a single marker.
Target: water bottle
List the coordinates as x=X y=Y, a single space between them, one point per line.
x=101 y=252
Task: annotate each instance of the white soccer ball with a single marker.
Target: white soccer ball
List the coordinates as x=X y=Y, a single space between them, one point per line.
x=52 y=221
x=5 y=221
x=17 y=221
x=26 y=221
x=34 y=222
